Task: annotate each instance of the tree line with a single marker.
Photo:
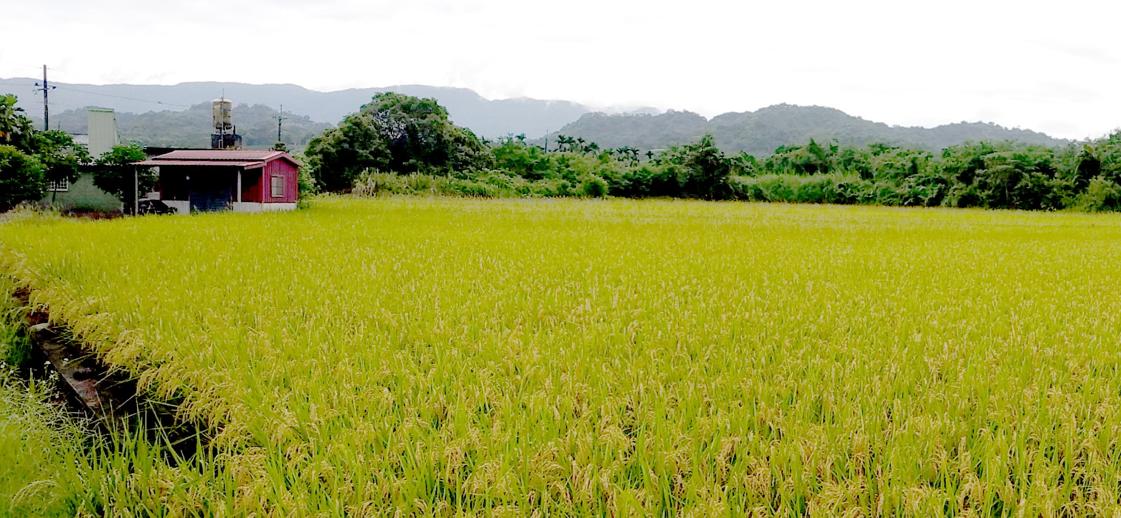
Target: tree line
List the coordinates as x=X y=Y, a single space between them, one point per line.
x=402 y=144
x=30 y=160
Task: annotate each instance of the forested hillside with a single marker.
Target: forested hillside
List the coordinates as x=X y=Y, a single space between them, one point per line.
x=763 y=131
x=192 y=128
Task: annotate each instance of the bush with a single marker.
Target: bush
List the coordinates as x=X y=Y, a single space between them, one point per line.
x=702 y=170
x=593 y=187
x=1101 y=195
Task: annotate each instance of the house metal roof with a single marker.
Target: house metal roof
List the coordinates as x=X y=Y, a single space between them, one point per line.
x=205 y=163
x=220 y=154
x=249 y=159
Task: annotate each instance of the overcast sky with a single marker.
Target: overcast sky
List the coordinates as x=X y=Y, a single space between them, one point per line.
x=1049 y=66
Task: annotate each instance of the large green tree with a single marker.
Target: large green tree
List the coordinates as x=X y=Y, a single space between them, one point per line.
x=21 y=177
x=115 y=174
x=15 y=127
x=701 y=169
x=62 y=158
x=394 y=133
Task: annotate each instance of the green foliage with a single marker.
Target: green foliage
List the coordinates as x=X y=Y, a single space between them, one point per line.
x=22 y=177
x=60 y=155
x=593 y=187
x=308 y=185
x=494 y=184
x=397 y=133
x=999 y=175
x=701 y=169
x=15 y=127
x=990 y=174
x=30 y=159
x=1101 y=195
x=115 y=174
x=530 y=162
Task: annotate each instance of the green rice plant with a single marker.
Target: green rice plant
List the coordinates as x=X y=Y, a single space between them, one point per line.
x=42 y=469
x=52 y=463
x=457 y=356
x=15 y=348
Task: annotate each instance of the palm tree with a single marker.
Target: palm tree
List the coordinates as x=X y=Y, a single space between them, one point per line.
x=15 y=127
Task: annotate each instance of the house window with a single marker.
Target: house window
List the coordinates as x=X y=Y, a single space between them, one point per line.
x=277 y=186
x=62 y=185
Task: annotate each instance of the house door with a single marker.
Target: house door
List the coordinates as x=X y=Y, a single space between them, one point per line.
x=211 y=193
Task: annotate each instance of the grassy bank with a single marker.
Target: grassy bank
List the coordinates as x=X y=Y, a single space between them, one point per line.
x=43 y=469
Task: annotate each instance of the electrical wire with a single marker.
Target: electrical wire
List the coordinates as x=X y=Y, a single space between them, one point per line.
x=122 y=97
x=86 y=91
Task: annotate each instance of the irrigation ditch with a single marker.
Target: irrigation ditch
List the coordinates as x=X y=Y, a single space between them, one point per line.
x=109 y=398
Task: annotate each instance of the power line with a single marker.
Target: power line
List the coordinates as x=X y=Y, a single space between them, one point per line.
x=34 y=85
x=121 y=97
x=20 y=65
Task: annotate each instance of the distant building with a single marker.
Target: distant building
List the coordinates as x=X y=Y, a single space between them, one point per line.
x=82 y=194
x=219 y=179
x=102 y=131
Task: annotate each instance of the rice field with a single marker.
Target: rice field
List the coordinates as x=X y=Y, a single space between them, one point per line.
x=459 y=357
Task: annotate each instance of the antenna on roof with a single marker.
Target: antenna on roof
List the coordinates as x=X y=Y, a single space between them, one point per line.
x=280 y=124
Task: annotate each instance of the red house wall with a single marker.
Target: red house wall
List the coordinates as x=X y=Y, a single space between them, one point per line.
x=291 y=182
x=251 y=186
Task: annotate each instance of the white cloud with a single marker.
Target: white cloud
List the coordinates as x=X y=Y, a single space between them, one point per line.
x=1027 y=63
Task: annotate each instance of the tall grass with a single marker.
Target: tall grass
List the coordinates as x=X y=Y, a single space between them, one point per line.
x=458 y=357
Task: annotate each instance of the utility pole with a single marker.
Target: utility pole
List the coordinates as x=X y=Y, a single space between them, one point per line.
x=46 y=108
x=279 y=123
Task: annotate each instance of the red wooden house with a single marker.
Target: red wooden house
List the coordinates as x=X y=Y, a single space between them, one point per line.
x=220 y=179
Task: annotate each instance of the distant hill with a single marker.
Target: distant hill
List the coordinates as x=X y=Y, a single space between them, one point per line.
x=485 y=117
x=762 y=131
x=758 y=132
x=192 y=127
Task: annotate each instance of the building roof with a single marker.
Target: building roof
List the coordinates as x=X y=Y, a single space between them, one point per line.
x=204 y=163
x=248 y=159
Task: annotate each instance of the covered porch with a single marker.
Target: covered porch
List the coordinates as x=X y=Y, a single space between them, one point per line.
x=213 y=188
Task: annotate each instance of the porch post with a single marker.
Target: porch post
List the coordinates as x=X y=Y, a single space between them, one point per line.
x=239 y=185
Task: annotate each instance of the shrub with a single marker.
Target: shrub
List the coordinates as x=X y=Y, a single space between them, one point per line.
x=593 y=187
x=1101 y=195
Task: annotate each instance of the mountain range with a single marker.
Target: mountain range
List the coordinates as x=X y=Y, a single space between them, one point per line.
x=762 y=131
x=178 y=115
x=487 y=118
